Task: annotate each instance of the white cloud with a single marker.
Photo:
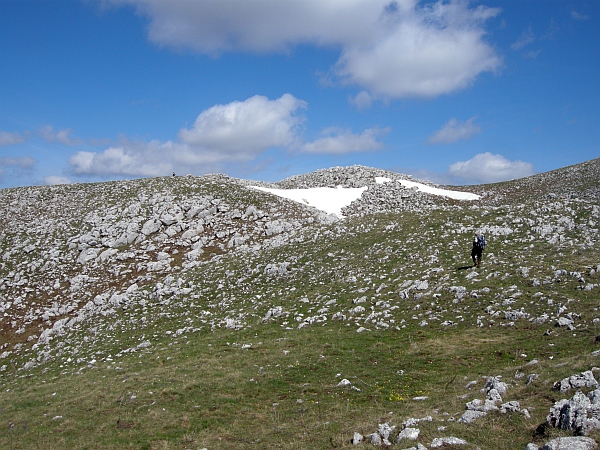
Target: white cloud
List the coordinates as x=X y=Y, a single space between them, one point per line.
x=336 y=141
x=215 y=26
x=392 y=49
x=454 y=131
x=54 y=179
x=146 y=159
x=7 y=138
x=234 y=133
x=490 y=168
x=362 y=100
x=24 y=162
x=239 y=130
x=421 y=52
x=526 y=38
x=61 y=136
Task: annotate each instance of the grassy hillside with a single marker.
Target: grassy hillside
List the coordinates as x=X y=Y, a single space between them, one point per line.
x=301 y=332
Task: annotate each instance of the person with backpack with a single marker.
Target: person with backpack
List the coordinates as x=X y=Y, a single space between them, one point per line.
x=478 y=246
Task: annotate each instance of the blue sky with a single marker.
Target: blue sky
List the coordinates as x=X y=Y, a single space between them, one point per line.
x=455 y=92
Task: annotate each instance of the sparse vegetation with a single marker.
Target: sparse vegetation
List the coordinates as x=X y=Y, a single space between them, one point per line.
x=246 y=345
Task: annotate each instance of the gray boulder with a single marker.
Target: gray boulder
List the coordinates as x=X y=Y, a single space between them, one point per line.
x=450 y=440
x=151 y=227
x=385 y=430
x=357 y=438
x=581 y=413
x=471 y=416
x=375 y=439
x=408 y=433
x=512 y=406
x=570 y=443
x=583 y=380
x=88 y=255
x=495 y=383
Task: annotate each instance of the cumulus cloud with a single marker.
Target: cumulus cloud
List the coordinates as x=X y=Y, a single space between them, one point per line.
x=336 y=141
x=423 y=52
x=237 y=132
x=490 y=168
x=54 y=180
x=454 y=131
x=240 y=129
x=146 y=159
x=391 y=49
x=61 y=136
x=7 y=138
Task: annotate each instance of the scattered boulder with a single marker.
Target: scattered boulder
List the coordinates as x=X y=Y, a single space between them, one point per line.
x=357 y=438
x=470 y=416
x=495 y=383
x=375 y=439
x=583 y=380
x=451 y=440
x=571 y=443
x=512 y=406
x=87 y=255
x=580 y=414
x=408 y=433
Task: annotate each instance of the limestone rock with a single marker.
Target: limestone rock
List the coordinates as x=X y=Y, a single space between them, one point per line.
x=357 y=438
x=583 y=380
x=408 y=433
x=495 y=383
x=375 y=439
x=451 y=440
x=570 y=443
x=471 y=416
x=581 y=413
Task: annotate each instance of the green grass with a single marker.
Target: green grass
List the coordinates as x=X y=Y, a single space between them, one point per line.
x=205 y=393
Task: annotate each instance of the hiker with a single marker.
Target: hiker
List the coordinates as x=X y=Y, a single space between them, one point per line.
x=478 y=246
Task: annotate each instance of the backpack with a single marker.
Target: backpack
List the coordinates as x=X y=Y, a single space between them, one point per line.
x=481 y=242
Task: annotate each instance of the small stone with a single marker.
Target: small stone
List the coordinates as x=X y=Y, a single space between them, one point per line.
x=385 y=430
x=451 y=440
x=408 y=433
x=512 y=406
x=375 y=439
x=471 y=416
x=563 y=322
x=357 y=438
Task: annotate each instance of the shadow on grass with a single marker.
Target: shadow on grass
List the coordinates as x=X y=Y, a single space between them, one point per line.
x=466 y=267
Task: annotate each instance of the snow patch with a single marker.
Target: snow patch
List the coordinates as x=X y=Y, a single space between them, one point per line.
x=333 y=200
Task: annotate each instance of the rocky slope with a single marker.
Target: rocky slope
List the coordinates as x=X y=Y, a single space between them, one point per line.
x=83 y=264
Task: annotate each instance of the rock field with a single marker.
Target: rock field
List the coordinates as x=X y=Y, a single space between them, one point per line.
x=78 y=262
